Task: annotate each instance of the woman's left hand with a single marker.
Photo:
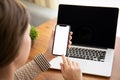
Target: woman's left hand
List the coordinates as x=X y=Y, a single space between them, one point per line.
x=48 y=54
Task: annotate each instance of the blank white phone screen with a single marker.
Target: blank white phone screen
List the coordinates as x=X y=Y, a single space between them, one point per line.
x=61 y=40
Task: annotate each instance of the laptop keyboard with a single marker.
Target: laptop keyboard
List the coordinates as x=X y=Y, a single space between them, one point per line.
x=88 y=54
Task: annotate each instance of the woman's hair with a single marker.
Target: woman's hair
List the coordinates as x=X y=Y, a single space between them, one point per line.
x=14 y=20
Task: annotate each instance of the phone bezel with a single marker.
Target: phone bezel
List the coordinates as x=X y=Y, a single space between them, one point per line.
x=62 y=25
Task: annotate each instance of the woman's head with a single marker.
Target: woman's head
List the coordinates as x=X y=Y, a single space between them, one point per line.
x=14 y=22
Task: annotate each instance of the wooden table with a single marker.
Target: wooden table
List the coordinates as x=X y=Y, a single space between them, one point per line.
x=40 y=46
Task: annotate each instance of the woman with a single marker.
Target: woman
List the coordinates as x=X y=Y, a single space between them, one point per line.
x=15 y=44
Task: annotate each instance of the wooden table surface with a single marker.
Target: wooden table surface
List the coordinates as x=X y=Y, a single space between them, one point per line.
x=40 y=46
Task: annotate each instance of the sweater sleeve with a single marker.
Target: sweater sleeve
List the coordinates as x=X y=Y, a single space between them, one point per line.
x=32 y=69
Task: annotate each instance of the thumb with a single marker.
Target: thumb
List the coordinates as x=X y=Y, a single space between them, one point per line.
x=52 y=37
x=51 y=40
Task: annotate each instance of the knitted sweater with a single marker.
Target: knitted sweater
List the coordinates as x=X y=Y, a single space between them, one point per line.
x=32 y=69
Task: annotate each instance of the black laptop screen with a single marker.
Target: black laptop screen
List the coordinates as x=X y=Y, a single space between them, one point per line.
x=91 y=26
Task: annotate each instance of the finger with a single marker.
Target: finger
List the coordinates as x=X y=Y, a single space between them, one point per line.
x=71 y=33
x=69 y=61
x=77 y=64
x=78 y=67
x=52 y=36
x=73 y=63
x=70 y=37
x=51 y=40
x=69 y=44
x=64 y=60
x=62 y=67
x=53 y=29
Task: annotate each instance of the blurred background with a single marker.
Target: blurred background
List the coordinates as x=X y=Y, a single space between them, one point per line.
x=44 y=10
x=53 y=4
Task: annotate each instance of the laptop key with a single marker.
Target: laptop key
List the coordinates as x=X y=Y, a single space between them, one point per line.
x=88 y=54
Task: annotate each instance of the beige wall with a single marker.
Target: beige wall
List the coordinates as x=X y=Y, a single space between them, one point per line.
x=53 y=4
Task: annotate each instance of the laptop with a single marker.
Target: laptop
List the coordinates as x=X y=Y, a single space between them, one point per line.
x=94 y=34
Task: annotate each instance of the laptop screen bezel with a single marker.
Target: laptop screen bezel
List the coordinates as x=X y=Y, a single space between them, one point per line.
x=61 y=6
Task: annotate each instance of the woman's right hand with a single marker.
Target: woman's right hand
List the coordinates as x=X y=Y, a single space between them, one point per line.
x=70 y=70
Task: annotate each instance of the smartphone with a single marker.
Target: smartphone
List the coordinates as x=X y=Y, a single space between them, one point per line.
x=61 y=37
